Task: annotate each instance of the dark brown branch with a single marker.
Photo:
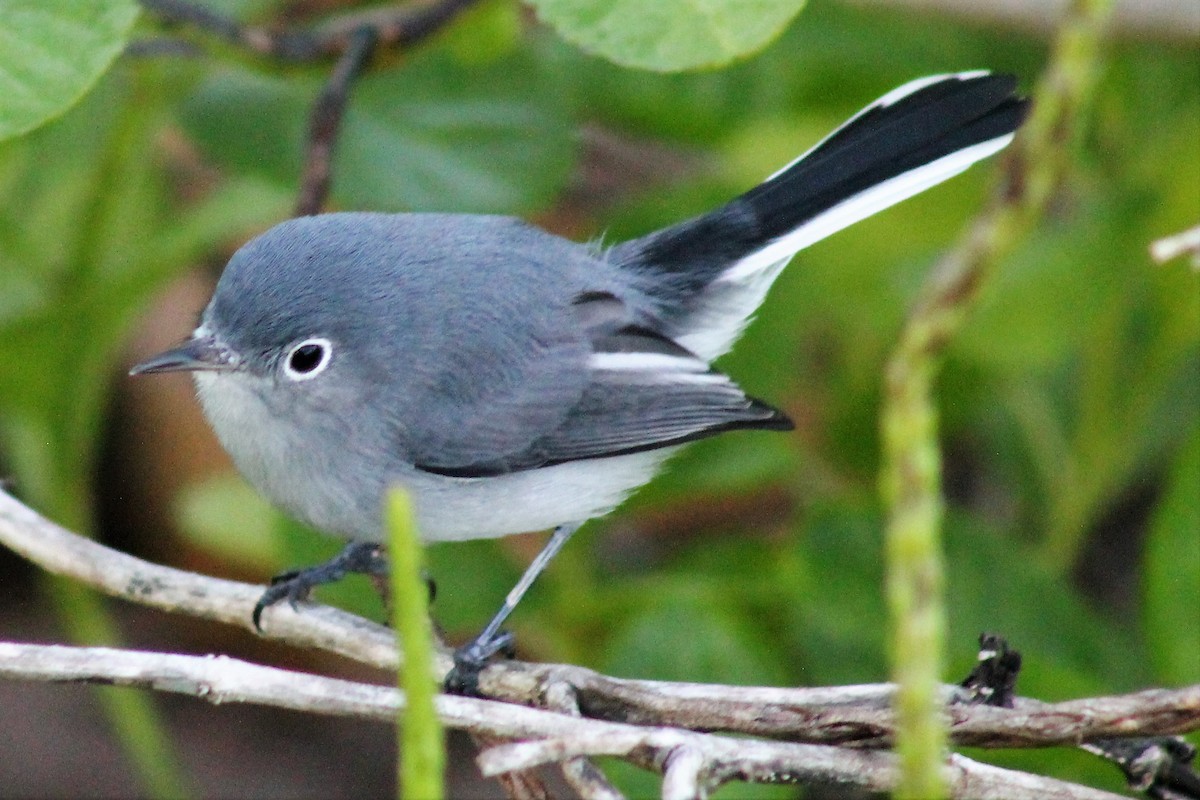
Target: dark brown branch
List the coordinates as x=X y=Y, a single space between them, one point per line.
x=352 y=39
x=1160 y=767
x=397 y=27
x=326 y=119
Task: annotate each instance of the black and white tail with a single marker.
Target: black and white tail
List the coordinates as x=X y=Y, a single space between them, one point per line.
x=710 y=273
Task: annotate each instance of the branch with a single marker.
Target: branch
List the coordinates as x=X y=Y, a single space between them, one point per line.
x=653 y=724
x=858 y=716
x=394 y=28
x=325 y=121
x=61 y=552
x=352 y=39
x=1171 y=247
x=693 y=762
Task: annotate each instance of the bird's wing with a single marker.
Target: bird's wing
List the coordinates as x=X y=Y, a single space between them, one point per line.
x=485 y=387
x=642 y=392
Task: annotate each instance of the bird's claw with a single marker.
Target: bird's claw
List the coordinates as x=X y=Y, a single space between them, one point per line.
x=296 y=585
x=470 y=659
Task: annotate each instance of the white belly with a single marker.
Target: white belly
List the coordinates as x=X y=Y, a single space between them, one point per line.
x=532 y=500
x=340 y=493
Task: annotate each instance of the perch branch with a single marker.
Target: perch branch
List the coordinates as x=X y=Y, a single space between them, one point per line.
x=845 y=715
x=62 y=552
x=693 y=761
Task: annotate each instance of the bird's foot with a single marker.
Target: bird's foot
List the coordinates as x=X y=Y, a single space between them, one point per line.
x=362 y=557
x=470 y=659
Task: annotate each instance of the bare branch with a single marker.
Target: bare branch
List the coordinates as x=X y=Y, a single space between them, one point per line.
x=683 y=776
x=688 y=757
x=1031 y=723
x=1171 y=247
x=580 y=773
x=61 y=552
x=517 y=784
x=968 y=778
x=325 y=121
x=352 y=39
x=848 y=715
x=394 y=27
x=851 y=715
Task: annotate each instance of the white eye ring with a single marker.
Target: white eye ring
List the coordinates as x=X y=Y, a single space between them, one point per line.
x=308 y=359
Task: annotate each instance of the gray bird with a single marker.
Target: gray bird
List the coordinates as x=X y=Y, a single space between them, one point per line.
x=515 y=381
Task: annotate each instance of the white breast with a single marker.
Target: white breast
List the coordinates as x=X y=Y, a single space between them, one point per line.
x=333 y=493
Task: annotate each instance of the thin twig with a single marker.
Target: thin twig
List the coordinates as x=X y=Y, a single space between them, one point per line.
x=519 y=784
x=1172 y=247
x=580 y=773
x=352 y=39
x=394 y=27
x=326 y=118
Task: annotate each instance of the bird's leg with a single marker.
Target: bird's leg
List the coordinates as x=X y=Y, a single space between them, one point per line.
x=470 y=659
x=363 y=557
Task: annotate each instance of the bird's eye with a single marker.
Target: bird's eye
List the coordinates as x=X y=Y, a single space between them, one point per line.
x=308 y=359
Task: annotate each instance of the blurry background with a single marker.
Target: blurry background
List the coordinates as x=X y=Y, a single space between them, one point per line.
x=1070 y=403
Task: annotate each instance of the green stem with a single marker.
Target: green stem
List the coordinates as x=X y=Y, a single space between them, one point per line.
x=421 y=740
x=131 y=713
x=133 y=716
x=910 y=479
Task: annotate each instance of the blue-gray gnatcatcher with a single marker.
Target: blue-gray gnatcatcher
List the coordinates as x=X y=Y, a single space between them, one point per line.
x=514 y=381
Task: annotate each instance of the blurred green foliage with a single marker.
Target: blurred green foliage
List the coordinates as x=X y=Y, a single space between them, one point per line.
x=1070 y=403
x=668 y=35
x=52 y=52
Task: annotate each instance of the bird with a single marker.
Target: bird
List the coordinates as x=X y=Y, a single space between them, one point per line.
x=511 y=380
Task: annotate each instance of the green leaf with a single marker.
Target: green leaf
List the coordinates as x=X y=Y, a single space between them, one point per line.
x=686 y=634
x=669 y=35
x=224 y=515
x=52 y=52
x=1171 y=578
x=432 y=134
x=832 y=582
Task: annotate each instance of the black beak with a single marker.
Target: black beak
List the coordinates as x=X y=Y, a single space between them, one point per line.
x=204 y=353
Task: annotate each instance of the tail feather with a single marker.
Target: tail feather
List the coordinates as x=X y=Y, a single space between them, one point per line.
x=711 y=272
